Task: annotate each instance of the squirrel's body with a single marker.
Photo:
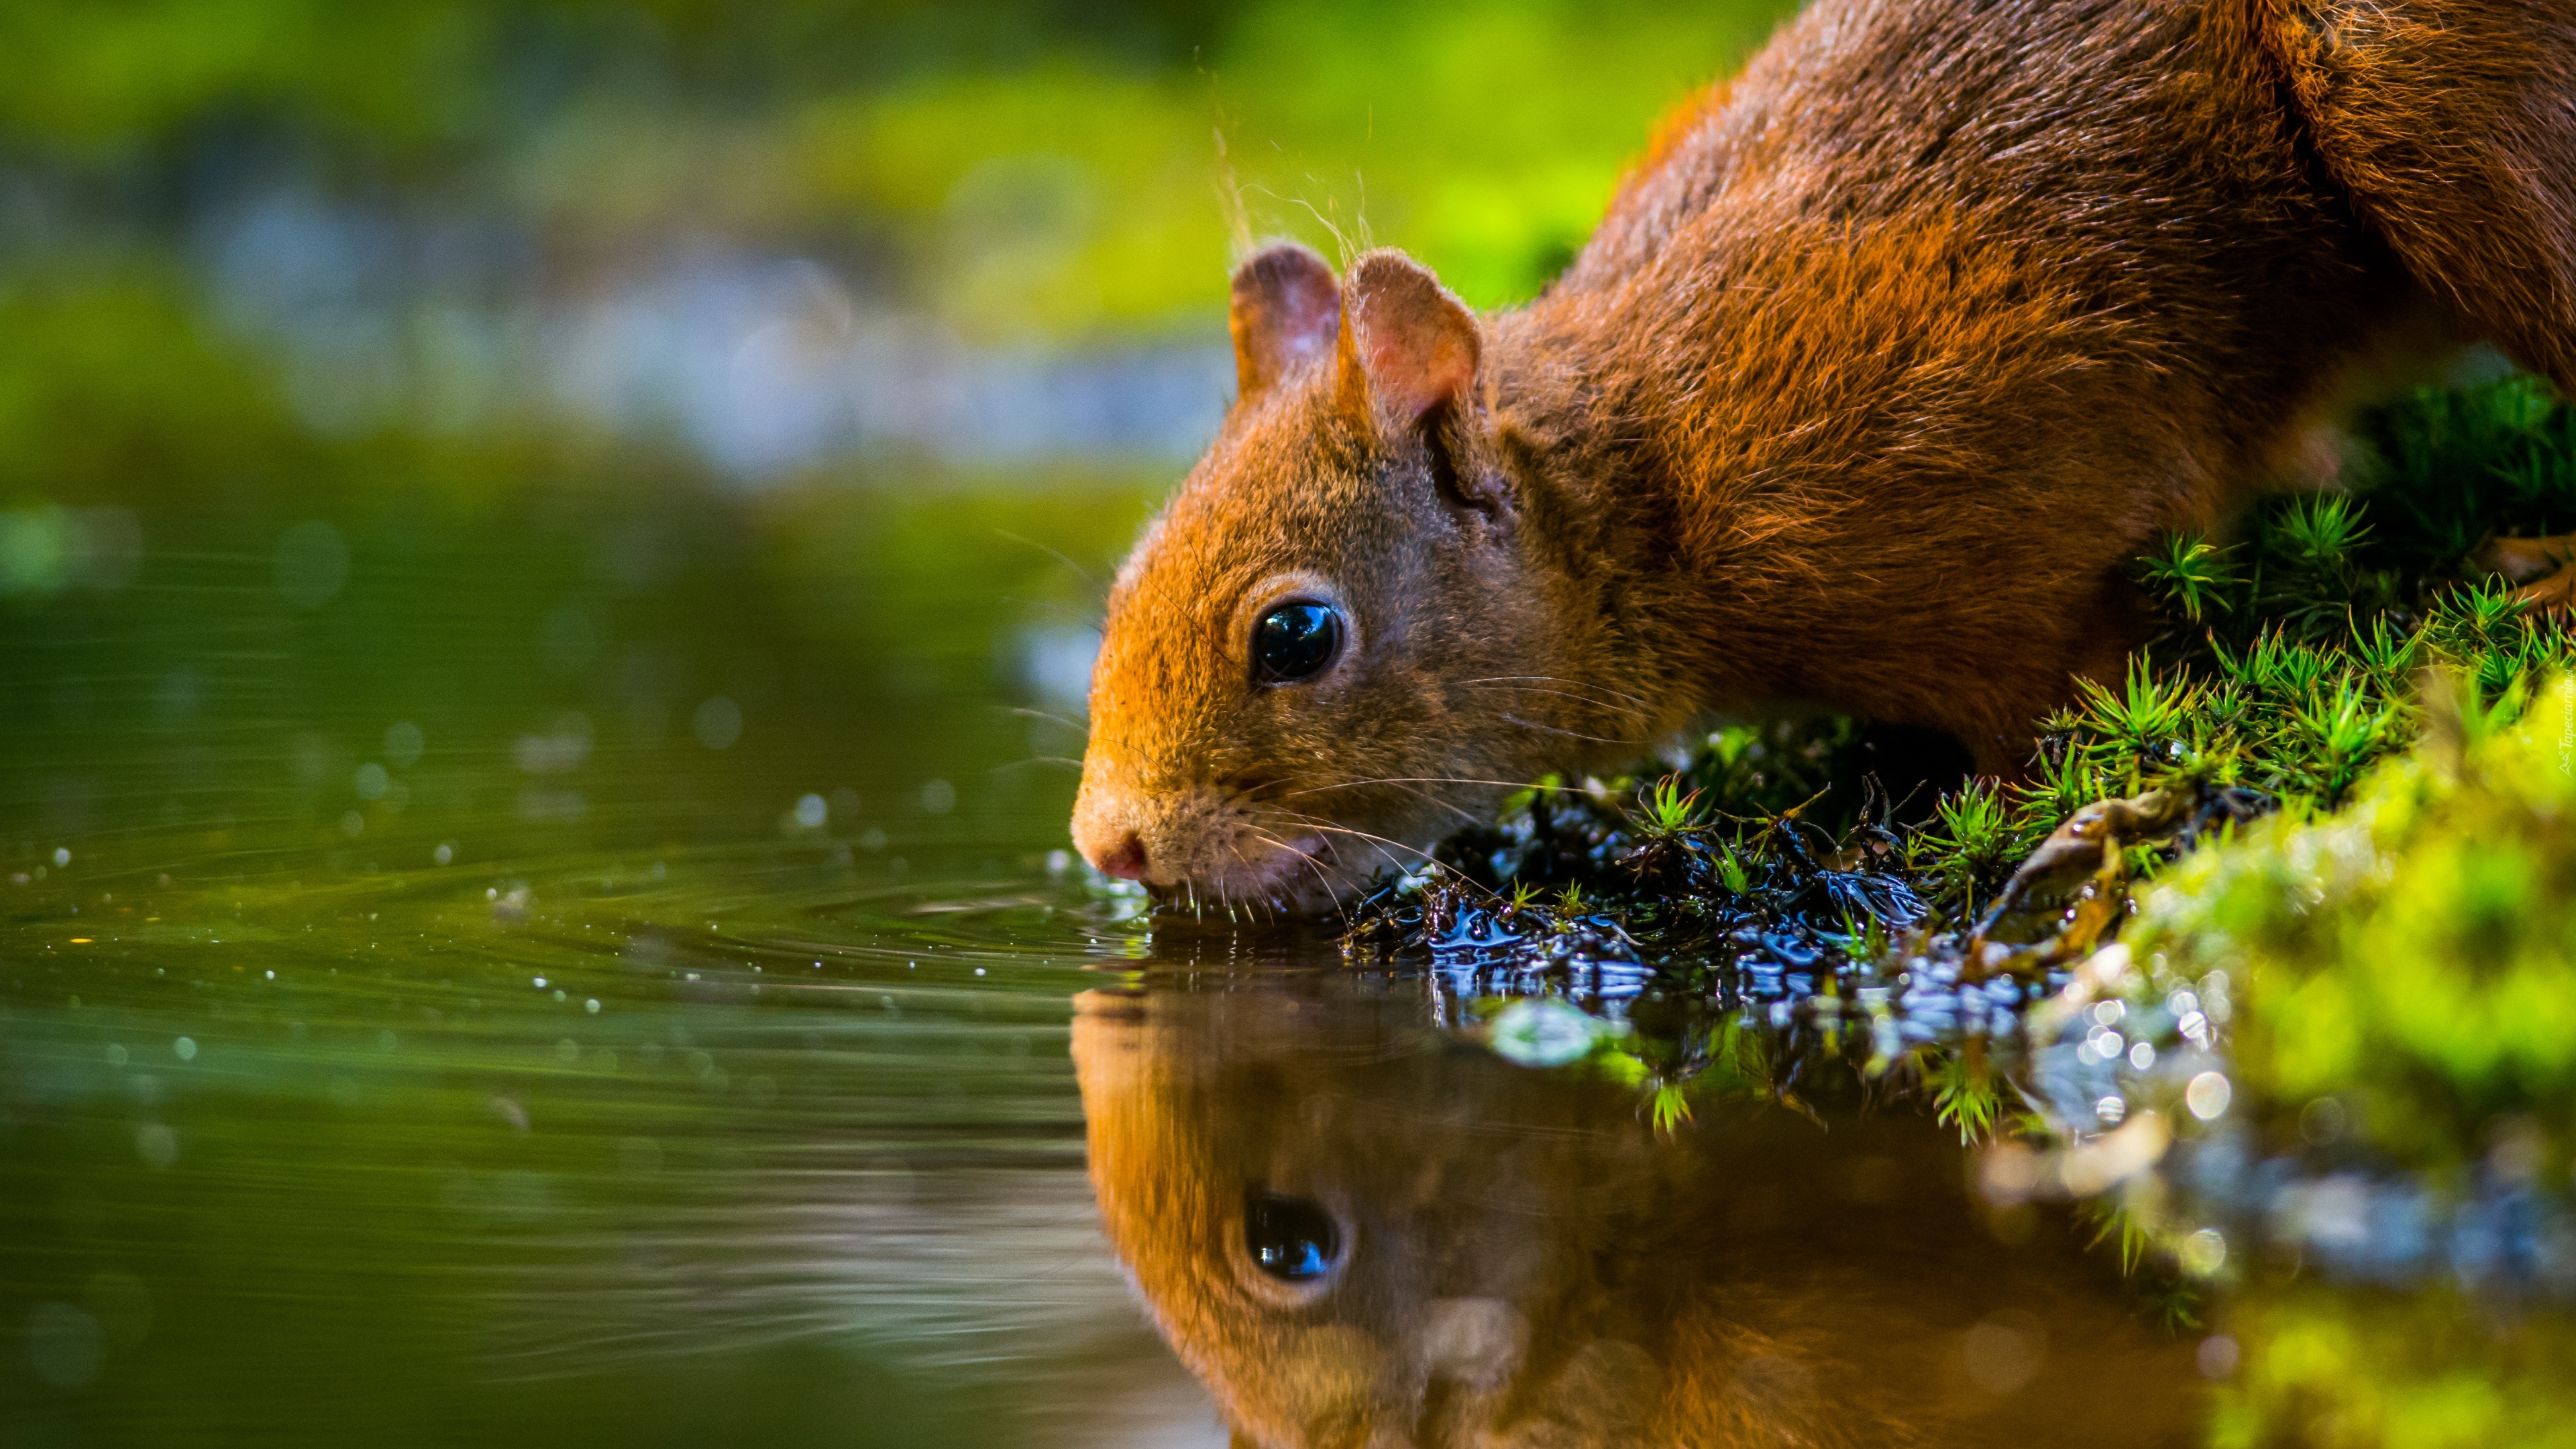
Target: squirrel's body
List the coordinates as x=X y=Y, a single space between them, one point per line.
x=1883 y=362
x=1901 y=366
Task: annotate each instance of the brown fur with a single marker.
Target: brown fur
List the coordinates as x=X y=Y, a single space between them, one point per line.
x=1527 y=1265
x=1891 y=353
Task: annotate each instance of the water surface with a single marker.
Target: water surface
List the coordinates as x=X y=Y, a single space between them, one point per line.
x=567 y=968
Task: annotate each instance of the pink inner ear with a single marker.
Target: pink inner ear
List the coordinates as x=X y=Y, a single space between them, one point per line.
x=1417 y=369
x=1286 y=312
x=1310 y=316
x=1416 y=344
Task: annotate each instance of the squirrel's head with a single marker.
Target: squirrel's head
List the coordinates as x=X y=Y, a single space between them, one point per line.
x=1332 y=647
x=1342 y=1265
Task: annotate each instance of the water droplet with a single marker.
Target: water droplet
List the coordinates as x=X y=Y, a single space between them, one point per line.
x=591 y=1006
x=2204 y=1252
x=62 y=857
x=1544 y=1033
x=443 y=854
x=812 y=811
x=185 y=1049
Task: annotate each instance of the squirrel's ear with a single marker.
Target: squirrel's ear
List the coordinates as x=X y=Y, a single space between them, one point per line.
x=1286 y=312
x=1410 y=344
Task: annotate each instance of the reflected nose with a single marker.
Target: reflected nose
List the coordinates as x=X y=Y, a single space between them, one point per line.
x=1125 y=859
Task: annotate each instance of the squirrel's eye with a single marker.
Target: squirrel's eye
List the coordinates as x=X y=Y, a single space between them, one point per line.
x=1290 y=1239
x=1293 y=641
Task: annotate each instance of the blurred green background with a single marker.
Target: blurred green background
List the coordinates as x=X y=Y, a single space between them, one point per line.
x=1016 y=170
x=531 y=316
x=223 y=223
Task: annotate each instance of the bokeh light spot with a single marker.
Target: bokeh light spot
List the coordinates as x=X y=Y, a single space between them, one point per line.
x=2208 y=1095
x=64 y=1344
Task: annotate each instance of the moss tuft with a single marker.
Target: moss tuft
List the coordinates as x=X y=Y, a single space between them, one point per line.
x=2416 y=950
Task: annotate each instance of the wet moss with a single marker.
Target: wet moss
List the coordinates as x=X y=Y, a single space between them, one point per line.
x=2411 y=959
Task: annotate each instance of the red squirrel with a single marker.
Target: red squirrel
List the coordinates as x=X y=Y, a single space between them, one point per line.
x=1887 y=356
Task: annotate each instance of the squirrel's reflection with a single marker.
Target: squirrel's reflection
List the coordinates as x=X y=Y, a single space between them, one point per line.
x=1359 y=1231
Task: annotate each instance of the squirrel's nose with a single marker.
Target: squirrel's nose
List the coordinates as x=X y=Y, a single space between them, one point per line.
x=1125 y=860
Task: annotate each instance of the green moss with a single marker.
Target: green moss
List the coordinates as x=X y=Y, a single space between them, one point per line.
x=2413 y=955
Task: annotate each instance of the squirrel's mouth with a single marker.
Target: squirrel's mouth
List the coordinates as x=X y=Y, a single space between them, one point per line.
x=1306 y=873
x=1262 y=870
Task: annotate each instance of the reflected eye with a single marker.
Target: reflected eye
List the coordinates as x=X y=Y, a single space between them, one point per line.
x=1293 y=641
x=1291 y=1239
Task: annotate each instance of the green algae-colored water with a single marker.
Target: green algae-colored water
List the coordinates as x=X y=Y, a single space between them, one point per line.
x=554 y=973
x=606 y=971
